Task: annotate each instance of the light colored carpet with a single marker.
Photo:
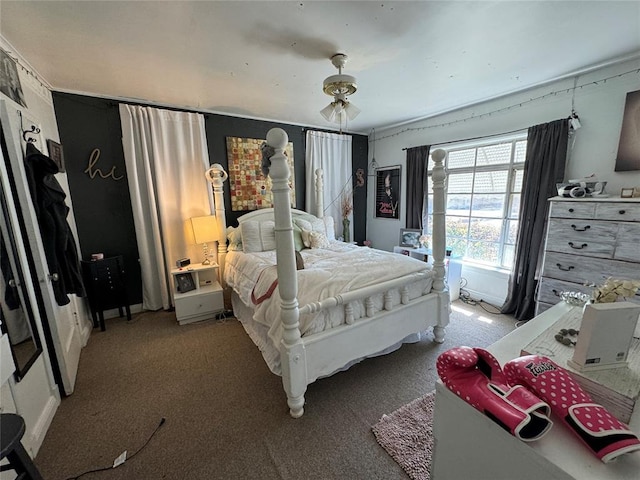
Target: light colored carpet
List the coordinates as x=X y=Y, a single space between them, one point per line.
x=407 y=435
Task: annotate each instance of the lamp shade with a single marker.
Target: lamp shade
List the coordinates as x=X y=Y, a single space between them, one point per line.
x=205 y=229
x=339 y=111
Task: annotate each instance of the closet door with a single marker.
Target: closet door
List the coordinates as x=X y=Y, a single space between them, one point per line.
x=62 y=327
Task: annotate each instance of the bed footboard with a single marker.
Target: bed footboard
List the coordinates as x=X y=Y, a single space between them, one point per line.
x=303 y=360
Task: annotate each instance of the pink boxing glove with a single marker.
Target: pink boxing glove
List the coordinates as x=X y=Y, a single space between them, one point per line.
x=475 y=376
x=604 y=434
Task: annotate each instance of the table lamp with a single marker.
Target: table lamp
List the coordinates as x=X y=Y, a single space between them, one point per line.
x=205 y=230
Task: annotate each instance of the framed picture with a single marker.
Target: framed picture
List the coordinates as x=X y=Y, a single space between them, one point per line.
x=9 y=79
x=388 y=192
x=185 y=282
x=409 y=237
x=626 y=193
x=250 y=188
x=55 y=154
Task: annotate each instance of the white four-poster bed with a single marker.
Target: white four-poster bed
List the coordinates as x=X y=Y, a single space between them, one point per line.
x=313 y=322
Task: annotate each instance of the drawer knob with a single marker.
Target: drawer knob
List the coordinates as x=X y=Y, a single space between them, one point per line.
x=622 y=212
x=565 y=269
x=572 y=245
x=571 y=210
x=586 y=227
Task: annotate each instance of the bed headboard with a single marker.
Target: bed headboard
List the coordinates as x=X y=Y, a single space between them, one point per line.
x=265 y=214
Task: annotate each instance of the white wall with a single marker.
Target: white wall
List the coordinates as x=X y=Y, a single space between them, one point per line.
x=599 y=104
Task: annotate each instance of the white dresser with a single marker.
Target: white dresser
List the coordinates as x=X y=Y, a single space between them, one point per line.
x=588 y=240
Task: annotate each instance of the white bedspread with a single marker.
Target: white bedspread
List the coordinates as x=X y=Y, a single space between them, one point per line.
x=327 y=272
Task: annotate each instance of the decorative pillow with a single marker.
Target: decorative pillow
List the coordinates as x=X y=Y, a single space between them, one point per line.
x=258 y=236
x=304 y=235
x=318 y=240
x=235 y=238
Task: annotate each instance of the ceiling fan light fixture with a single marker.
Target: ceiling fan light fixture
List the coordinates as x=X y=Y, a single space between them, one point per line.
x=351 y=110
x=339 y=111
x=339 y=87
x=329 y=112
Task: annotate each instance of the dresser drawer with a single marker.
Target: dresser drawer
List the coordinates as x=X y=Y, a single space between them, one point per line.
x=549 y=289
x=620 y=211
x=576 y=209
x=628 y=247
x=582 y=269
x=583 y=237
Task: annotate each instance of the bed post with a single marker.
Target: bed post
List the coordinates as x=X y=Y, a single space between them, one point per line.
x=319 y=193
x=292 y=353
x=217 y=176
x=438 y=238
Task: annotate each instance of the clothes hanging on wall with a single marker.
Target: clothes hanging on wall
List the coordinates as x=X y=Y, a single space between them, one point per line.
x=57 y=237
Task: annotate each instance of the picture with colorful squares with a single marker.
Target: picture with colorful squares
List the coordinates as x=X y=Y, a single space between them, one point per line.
x=250 y=189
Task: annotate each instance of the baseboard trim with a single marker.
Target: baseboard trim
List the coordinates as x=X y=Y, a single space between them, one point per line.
x=41 y=427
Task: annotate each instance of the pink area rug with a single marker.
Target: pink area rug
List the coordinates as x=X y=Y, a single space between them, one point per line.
x=407 y=435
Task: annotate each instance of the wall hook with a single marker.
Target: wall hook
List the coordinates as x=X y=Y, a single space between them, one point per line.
x=33 y=130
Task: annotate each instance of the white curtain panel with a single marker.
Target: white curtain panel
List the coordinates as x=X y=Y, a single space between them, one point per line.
x=332 y=153
x=166 y=156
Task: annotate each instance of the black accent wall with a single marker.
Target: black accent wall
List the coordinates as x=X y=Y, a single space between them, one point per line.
x=102 y=204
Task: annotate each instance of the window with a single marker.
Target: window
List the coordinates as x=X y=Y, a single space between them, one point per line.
x=483 y=187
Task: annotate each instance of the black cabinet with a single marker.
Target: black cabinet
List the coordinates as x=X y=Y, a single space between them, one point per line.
x=106 y=287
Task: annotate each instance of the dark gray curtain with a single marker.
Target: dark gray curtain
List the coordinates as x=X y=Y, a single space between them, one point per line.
x=543 y=168
x=417 y=163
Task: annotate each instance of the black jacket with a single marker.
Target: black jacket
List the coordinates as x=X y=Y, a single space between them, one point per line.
x=57 y=237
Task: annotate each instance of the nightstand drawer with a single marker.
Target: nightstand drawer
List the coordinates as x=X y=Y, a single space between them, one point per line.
x=198 y=305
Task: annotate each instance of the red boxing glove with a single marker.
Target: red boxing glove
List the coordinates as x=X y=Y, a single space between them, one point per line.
x=605 y=435
x=475 y=376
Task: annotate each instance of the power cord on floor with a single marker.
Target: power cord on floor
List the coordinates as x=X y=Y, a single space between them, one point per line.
x=465 y=297
x=115 y=465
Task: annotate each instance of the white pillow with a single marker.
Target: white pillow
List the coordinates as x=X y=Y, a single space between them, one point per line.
x=330 y=227
x=303 y=224
x=235 y=239
x=258 y=236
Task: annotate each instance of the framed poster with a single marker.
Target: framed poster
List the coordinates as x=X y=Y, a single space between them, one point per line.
x=9 y=79
x=388 y=192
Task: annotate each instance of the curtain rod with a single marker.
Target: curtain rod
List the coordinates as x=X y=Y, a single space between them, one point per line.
x=472 y=138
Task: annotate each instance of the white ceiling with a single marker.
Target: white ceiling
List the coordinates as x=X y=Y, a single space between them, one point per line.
x=268 y=59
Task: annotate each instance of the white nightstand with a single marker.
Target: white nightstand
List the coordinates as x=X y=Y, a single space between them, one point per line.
x=452 y=266
x=202 y=302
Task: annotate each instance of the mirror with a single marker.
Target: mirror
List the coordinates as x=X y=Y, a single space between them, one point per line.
x=16 y=313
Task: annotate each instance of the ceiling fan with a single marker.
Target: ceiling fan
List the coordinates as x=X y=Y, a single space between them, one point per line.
x=339 y=86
